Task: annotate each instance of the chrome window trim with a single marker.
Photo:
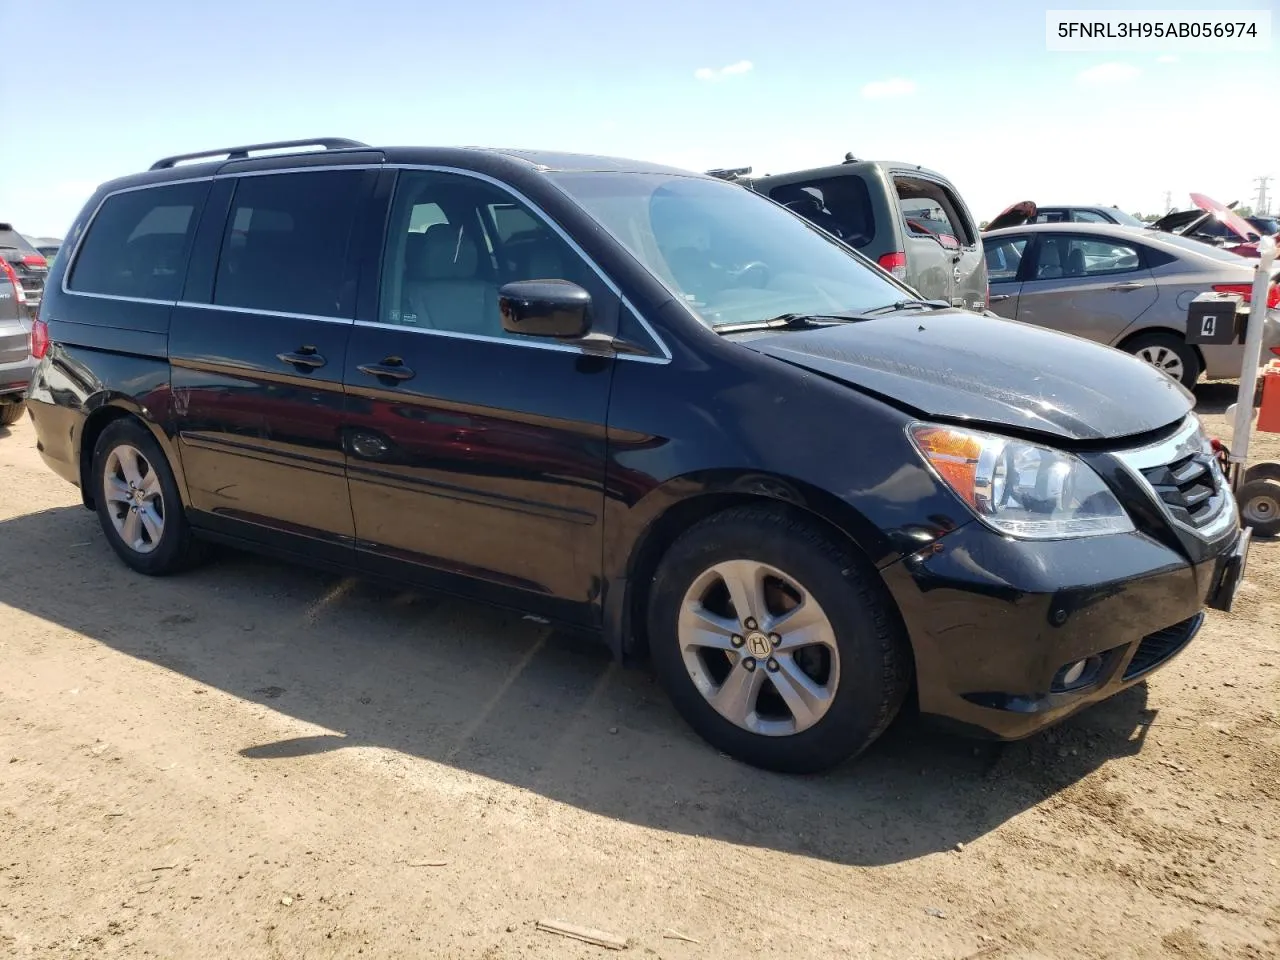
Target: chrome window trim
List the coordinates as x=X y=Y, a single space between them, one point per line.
x=115 y=296
x=664 y=351
x=478 y=337
x=226 y=308
x=1189 y=439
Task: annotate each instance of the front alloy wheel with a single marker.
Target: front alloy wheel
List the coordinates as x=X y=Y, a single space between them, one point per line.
x=776 y=640
x=759 y=648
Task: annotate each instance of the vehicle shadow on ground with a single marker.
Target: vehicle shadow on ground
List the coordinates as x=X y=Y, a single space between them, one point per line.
x=489 y=692
x=1213 y=397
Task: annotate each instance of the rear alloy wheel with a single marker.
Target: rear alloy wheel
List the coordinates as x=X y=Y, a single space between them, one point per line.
x=1169 y=354
x=11 y=413
x=138 y=503
x=774 y=642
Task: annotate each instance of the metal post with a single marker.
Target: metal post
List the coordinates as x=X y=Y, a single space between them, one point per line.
x=1252 y=358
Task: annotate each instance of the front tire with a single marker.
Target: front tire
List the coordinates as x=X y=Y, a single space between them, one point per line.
x=775 y=643
x=1168 y=353
x=137 y=501
x=11 y=413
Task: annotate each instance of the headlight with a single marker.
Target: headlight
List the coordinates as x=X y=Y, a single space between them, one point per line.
x=1019 y=488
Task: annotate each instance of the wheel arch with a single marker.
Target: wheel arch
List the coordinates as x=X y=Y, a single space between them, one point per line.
x=1127 y=338
x=102 y=414
x=627 y=591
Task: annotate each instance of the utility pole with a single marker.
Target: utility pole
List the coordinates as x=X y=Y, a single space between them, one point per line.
x=1263 y=206
x=1168 y=201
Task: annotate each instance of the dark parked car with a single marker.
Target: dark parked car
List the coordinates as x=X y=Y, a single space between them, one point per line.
x=910 y=220
x=756 y=459
x=28 y=263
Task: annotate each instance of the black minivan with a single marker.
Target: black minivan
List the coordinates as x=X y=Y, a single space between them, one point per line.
x=638 y=401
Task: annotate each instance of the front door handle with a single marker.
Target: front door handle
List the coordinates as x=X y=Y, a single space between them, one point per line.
x=392 y=368
x=998 y=297
x=304 y=357
x=1127 y=285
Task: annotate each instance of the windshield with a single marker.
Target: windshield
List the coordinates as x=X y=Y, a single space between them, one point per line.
x=1125 y=219
x=733 y=256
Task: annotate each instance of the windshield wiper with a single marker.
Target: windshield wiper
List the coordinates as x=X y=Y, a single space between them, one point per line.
x=791 y=321
x=909 y=305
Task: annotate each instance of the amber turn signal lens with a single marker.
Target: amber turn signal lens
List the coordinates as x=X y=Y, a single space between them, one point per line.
x=954 y=454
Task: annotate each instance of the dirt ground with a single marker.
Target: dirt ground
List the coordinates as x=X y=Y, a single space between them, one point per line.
x=255 y=760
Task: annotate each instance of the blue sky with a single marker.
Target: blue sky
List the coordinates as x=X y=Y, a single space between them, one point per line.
x=968 y=90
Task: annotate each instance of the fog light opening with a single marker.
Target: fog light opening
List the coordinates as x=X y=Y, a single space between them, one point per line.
x=1077 y=673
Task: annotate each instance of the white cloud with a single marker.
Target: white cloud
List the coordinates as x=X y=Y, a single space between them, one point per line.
x=1106 y=74
x=885 y=89
x=1167 y=58
x=713 y=74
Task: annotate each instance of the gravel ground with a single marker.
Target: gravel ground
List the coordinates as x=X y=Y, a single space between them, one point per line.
x=261 y=761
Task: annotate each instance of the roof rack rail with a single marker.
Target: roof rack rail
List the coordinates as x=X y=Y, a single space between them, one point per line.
x=729 y=173
x=242 y=153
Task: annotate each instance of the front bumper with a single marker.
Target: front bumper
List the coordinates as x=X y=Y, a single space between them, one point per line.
x=993 y=622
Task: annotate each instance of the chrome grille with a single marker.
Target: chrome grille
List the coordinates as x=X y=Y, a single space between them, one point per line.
x=1189 y=488
x=1183 y=475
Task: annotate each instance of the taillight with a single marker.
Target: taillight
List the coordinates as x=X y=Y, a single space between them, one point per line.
x=12 y=277
x=39 y=339
x=895 y=263
x=35 y=260
x=1246 y=290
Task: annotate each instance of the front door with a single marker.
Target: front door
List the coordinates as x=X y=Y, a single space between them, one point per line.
x=1005 y=256
x=258 y=349
x=476 y=458
x=1090 y=286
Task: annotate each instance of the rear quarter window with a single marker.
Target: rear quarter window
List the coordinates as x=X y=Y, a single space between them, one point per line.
x=839 y=205
x=931 y=208
x=138 y=242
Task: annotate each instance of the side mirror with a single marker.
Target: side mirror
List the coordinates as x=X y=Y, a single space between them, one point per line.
x=545 y=308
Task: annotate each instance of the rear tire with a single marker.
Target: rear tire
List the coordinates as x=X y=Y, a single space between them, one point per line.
x=1169 y=353
x=11 y=413
x=138 y=503
x=811 y=676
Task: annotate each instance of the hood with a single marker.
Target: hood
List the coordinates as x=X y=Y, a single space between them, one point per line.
x=1232 y=220
x=962 y=366
x=1014 y=216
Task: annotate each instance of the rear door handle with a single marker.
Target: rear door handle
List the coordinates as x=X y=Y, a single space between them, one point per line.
x=392 y=368
x=304 y=357
x=998 y=297
x=1127 y=285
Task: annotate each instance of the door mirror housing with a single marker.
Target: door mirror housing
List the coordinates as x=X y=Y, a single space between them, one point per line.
x=545 y=308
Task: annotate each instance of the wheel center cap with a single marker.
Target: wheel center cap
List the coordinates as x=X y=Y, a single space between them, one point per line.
x=758 y=645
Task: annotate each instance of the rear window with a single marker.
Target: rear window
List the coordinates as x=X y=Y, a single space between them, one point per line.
x=930 y=209
x=11 y=238
x=138 y=242
x=839 y=205
x=285 y=247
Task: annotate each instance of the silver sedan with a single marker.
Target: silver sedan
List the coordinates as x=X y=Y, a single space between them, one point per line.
x=1123 y=286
